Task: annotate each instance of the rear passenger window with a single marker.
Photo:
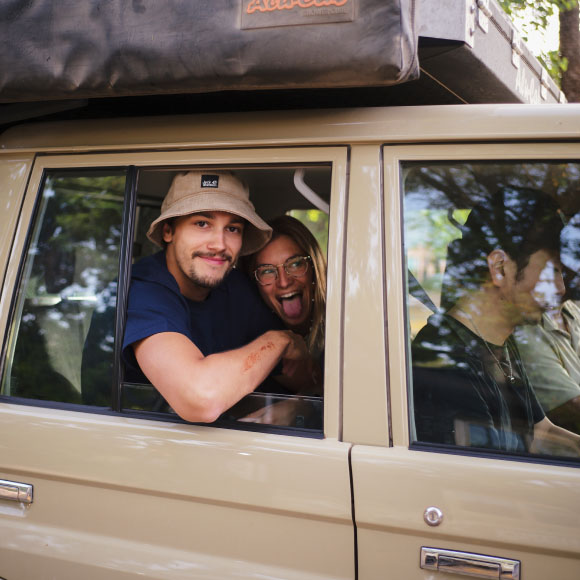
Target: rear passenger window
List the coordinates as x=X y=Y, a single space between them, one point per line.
x=89 y=227
x=69 y=273
x=493 y=258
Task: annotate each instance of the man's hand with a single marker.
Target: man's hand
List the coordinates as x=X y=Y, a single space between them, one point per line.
x=296 y=348
x=296 y=354
x=300 y=373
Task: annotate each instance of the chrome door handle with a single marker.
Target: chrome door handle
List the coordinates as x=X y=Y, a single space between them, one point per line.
x=14 y=491
x=474 y=565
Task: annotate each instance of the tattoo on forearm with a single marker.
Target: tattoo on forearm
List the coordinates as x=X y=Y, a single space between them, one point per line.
x=254 y=357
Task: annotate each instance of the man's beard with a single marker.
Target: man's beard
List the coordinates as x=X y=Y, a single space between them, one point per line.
x=206 y=281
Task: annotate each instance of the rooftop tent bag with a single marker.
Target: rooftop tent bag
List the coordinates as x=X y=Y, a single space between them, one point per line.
x=108 y=48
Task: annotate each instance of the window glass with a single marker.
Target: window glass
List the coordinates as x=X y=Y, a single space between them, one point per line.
x=68 y=276
x=316 y=221
x=493 y=305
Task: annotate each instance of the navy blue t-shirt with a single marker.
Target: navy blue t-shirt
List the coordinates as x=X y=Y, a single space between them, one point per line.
x=231 y=316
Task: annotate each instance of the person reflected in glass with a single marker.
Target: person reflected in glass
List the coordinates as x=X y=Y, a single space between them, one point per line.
x=551 y=349
x=290 y=274
x=470 y=386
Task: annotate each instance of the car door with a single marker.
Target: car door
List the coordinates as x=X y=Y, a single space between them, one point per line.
x=97 y=489
x=424 y=509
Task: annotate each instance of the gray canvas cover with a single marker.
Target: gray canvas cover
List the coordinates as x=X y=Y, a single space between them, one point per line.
x=104 y=48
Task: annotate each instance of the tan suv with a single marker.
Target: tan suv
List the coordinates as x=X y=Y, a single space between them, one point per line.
x=100 y=481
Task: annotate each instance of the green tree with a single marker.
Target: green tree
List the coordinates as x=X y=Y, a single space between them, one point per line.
x=564 y=63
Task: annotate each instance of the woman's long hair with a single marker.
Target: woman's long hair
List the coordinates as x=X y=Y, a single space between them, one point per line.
x=286 y=225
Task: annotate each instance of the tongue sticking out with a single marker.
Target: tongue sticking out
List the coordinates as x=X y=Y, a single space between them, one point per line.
x=292 y=307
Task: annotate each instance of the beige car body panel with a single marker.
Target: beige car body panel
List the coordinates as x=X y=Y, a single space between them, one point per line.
x=14 y=172
x=214 y=506
x=119 y=497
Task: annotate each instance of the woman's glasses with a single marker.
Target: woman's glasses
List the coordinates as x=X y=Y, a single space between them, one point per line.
x=295 y=267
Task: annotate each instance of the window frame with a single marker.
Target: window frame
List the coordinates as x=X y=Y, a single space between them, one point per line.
x=399 y=356
x=336 y=156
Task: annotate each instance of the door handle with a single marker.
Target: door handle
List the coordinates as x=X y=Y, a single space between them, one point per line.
x=14 y=491
x=474 y=565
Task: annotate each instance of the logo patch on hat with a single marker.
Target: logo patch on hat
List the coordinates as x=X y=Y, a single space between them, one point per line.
x=210 y=181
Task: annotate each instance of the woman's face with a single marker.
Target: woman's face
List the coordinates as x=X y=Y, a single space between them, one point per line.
x=290 y=298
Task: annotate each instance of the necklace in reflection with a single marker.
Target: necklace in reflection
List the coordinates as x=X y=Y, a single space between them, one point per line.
x=509 y=375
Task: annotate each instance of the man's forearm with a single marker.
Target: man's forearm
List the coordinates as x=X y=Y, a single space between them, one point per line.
x=201 y=388
x=232 y=375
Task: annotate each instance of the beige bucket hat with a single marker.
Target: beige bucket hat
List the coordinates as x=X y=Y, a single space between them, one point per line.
x=197 y=191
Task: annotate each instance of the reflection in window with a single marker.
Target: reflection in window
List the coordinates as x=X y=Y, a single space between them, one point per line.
x=488 y=290
x=68 y=276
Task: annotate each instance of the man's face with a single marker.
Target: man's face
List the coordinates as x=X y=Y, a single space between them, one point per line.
x=537 y=288
x=201 y=250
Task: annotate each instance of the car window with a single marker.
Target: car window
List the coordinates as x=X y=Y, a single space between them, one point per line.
x=69 y=272
x=64 y=345
x=492 y=305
